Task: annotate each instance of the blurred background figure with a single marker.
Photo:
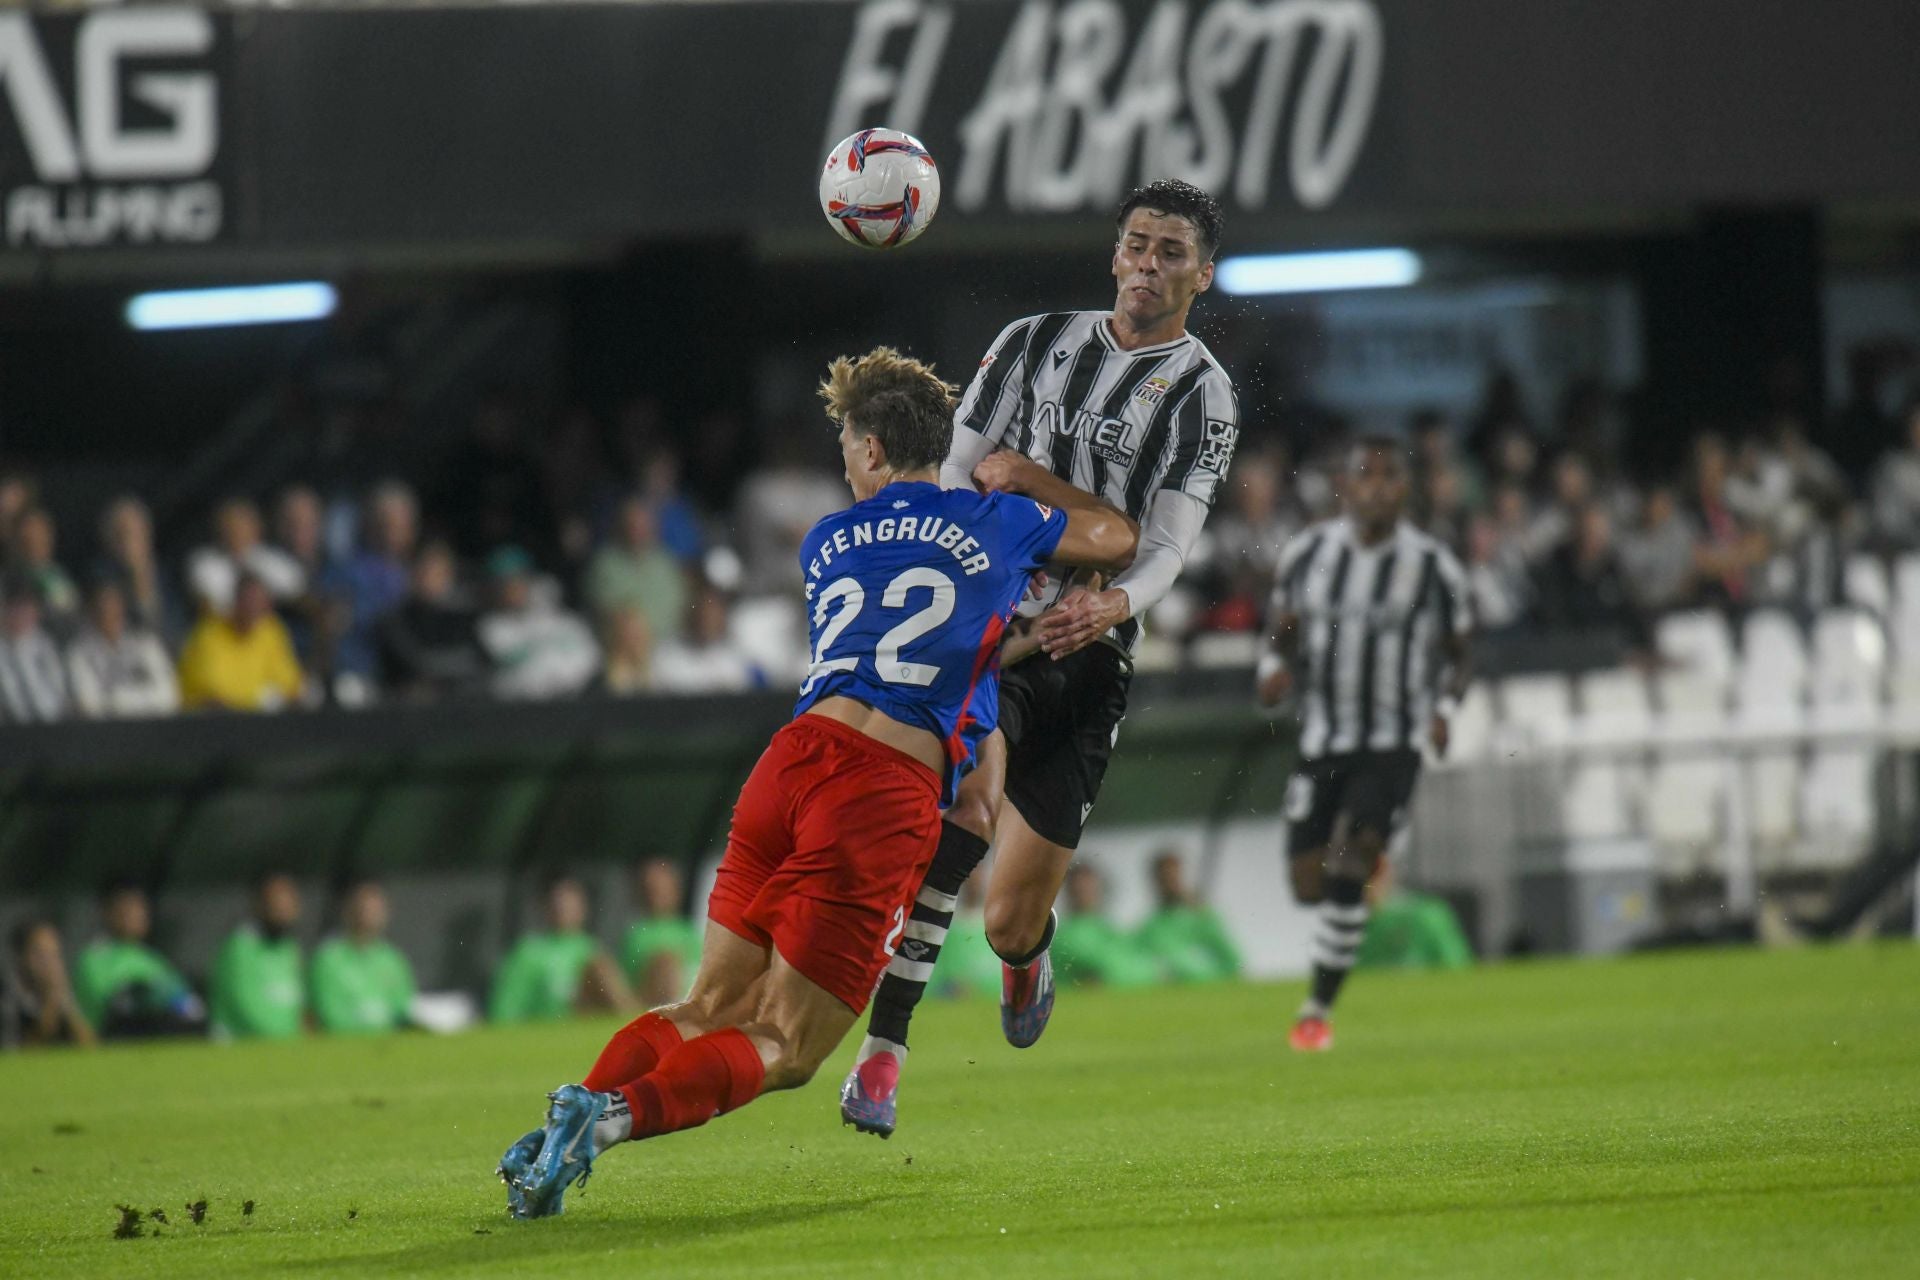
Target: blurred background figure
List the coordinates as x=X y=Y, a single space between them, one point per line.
x=115 y=668
x=539 y=649
x=629 y=646
x=1896 y=488
x=1410 y=930
x=360 y=982
x=633 y=570
x=37 y=1005
x=127 y=559
x=239 y=548
x=1184 y=935
x=706 y=659
x=242 y=660
x=661 y=951
x=258 y=988
x=31 y=555
x=127 y=988
x=370 y=584
x=1089 y=948
x=430 y=645
x=33 y=680
x=560 y=968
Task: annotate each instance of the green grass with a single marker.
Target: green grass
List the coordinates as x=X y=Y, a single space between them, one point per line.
x=1716 y=1114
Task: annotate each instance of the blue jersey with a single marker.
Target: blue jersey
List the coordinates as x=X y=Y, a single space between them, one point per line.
x=908 y=596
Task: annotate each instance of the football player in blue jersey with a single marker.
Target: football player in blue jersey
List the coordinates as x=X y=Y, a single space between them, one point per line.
x=910 y=591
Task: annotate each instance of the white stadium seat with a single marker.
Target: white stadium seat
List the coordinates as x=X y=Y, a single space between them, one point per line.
x=1615 y=707
x=1849 y=659
x=1537 y=709
x=1836 y=803
x=1868 y=585
x=1685 y=802
x=1471 y=733
x=1772 y=679
x=769 y=630
x=1225 y=649
x=1699 y=643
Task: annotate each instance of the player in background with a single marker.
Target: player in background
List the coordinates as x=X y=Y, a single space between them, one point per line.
x=910 y=591
x=1120 y=406
x=1370 y=629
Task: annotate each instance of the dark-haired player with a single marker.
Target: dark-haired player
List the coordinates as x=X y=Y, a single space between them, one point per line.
x=1126 y=406
x=909 y=592
x=1369 y=629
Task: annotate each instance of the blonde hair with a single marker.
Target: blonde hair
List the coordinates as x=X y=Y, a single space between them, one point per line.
x=897 y=399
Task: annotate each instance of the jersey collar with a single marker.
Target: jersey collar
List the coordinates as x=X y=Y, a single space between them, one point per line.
x=1105 y=330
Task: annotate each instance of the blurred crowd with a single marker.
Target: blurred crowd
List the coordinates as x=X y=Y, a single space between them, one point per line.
x=625 y=557
x=265 y=982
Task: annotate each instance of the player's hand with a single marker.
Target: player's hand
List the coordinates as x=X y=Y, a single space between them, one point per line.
x=1022 y=642
x=1037 y=585
x=1003 y=471
x=1276 y=688
x=1440 y=735
x=1080 y=619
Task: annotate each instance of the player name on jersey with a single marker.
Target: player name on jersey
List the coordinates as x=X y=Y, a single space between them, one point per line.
x=945 y=534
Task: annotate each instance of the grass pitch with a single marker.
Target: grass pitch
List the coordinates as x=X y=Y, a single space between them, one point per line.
x=1725 y=1114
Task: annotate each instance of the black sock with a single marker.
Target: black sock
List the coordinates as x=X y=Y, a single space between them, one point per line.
x=1343 y=921
x=907 y=975
x=1021 y=962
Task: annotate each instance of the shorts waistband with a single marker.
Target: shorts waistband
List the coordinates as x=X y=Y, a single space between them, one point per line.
x=858 y=741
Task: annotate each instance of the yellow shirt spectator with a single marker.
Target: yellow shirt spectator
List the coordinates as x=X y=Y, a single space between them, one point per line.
x=243 y=662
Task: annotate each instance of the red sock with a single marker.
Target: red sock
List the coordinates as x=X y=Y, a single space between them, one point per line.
x=707 y=1076
x=635 y=1049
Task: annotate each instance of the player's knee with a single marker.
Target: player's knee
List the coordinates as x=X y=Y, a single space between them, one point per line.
x=1308 y=879
x=794 y=1063
x=1356 y=858
x=1013 y=928
x=975 y=811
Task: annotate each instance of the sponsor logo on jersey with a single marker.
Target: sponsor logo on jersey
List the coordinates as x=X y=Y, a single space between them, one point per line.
x=989 y=360
x=1216 y=447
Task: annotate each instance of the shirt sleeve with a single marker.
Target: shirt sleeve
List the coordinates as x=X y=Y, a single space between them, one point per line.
x=1286 y=578
x=968 y=448
x=992 y=400
x=1167 y=537
x=1207 y=428
x=1030 y=531
x=1456 y=606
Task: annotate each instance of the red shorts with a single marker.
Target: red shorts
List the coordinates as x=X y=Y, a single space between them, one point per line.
x=831 y=836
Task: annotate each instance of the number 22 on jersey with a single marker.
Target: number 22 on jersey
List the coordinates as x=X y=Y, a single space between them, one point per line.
x=844 y=598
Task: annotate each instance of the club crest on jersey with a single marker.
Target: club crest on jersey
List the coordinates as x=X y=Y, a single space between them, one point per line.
x=1216 y=447
x=1152 y=392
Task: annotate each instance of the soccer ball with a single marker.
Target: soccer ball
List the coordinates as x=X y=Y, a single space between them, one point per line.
x=879 y=189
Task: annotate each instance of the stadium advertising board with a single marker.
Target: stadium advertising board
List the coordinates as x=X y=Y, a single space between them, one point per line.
x=110 y=128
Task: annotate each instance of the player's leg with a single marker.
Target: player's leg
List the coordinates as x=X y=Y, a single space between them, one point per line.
x=1376 y=793
x=868 y=1095
x=1053 y=780
x=1312 y=809
x=723 y=993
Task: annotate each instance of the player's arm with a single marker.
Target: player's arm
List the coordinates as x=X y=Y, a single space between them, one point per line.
x=1007 y=471
x=990 y=406
x=1273 y=678
x=1456 y=649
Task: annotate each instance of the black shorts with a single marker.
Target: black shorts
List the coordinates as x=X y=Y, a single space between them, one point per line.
x=1061 y=720
x=1371 y=787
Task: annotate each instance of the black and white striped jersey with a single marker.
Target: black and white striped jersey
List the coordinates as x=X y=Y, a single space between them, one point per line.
x=1370 y=621
x=1122 y=425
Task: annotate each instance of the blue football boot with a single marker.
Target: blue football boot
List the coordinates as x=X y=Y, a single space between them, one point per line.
x=566 y=1155
x=1026 y=996
x=867 y=1098
x=514 y=1167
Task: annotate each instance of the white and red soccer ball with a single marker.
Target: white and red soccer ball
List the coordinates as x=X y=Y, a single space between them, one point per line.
x=880 y=188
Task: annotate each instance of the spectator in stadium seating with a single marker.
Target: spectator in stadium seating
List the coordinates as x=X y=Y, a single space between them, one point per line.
x=124 y=986
x=115 y=669
x=1089 y=948
x=571 y=471
x=17 y=492
x=1439 y=461
x=1183 y=934
x=1514 y=460
x=629 y=645
x=33 y=682
x=239 y=548
x=37 y=1006
x=633 y=571
x=661 y=951
x=1865 y=429
x=777 y=504
x=1579 y=586
x=679 y=520
x=430 y=645
x=706 y=660
x=538 y=648
x=31 y=552
x=1246 y=538
x=1570 y=483
x=1496 y=576
x=372 y=582
x=300 y=527
x=258 y=987
x=559 y=970
x=1656 y=553
x=1728 y=549
x=1896 y=489
x=242 y=661
x=127 y=558
x=360 y=983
